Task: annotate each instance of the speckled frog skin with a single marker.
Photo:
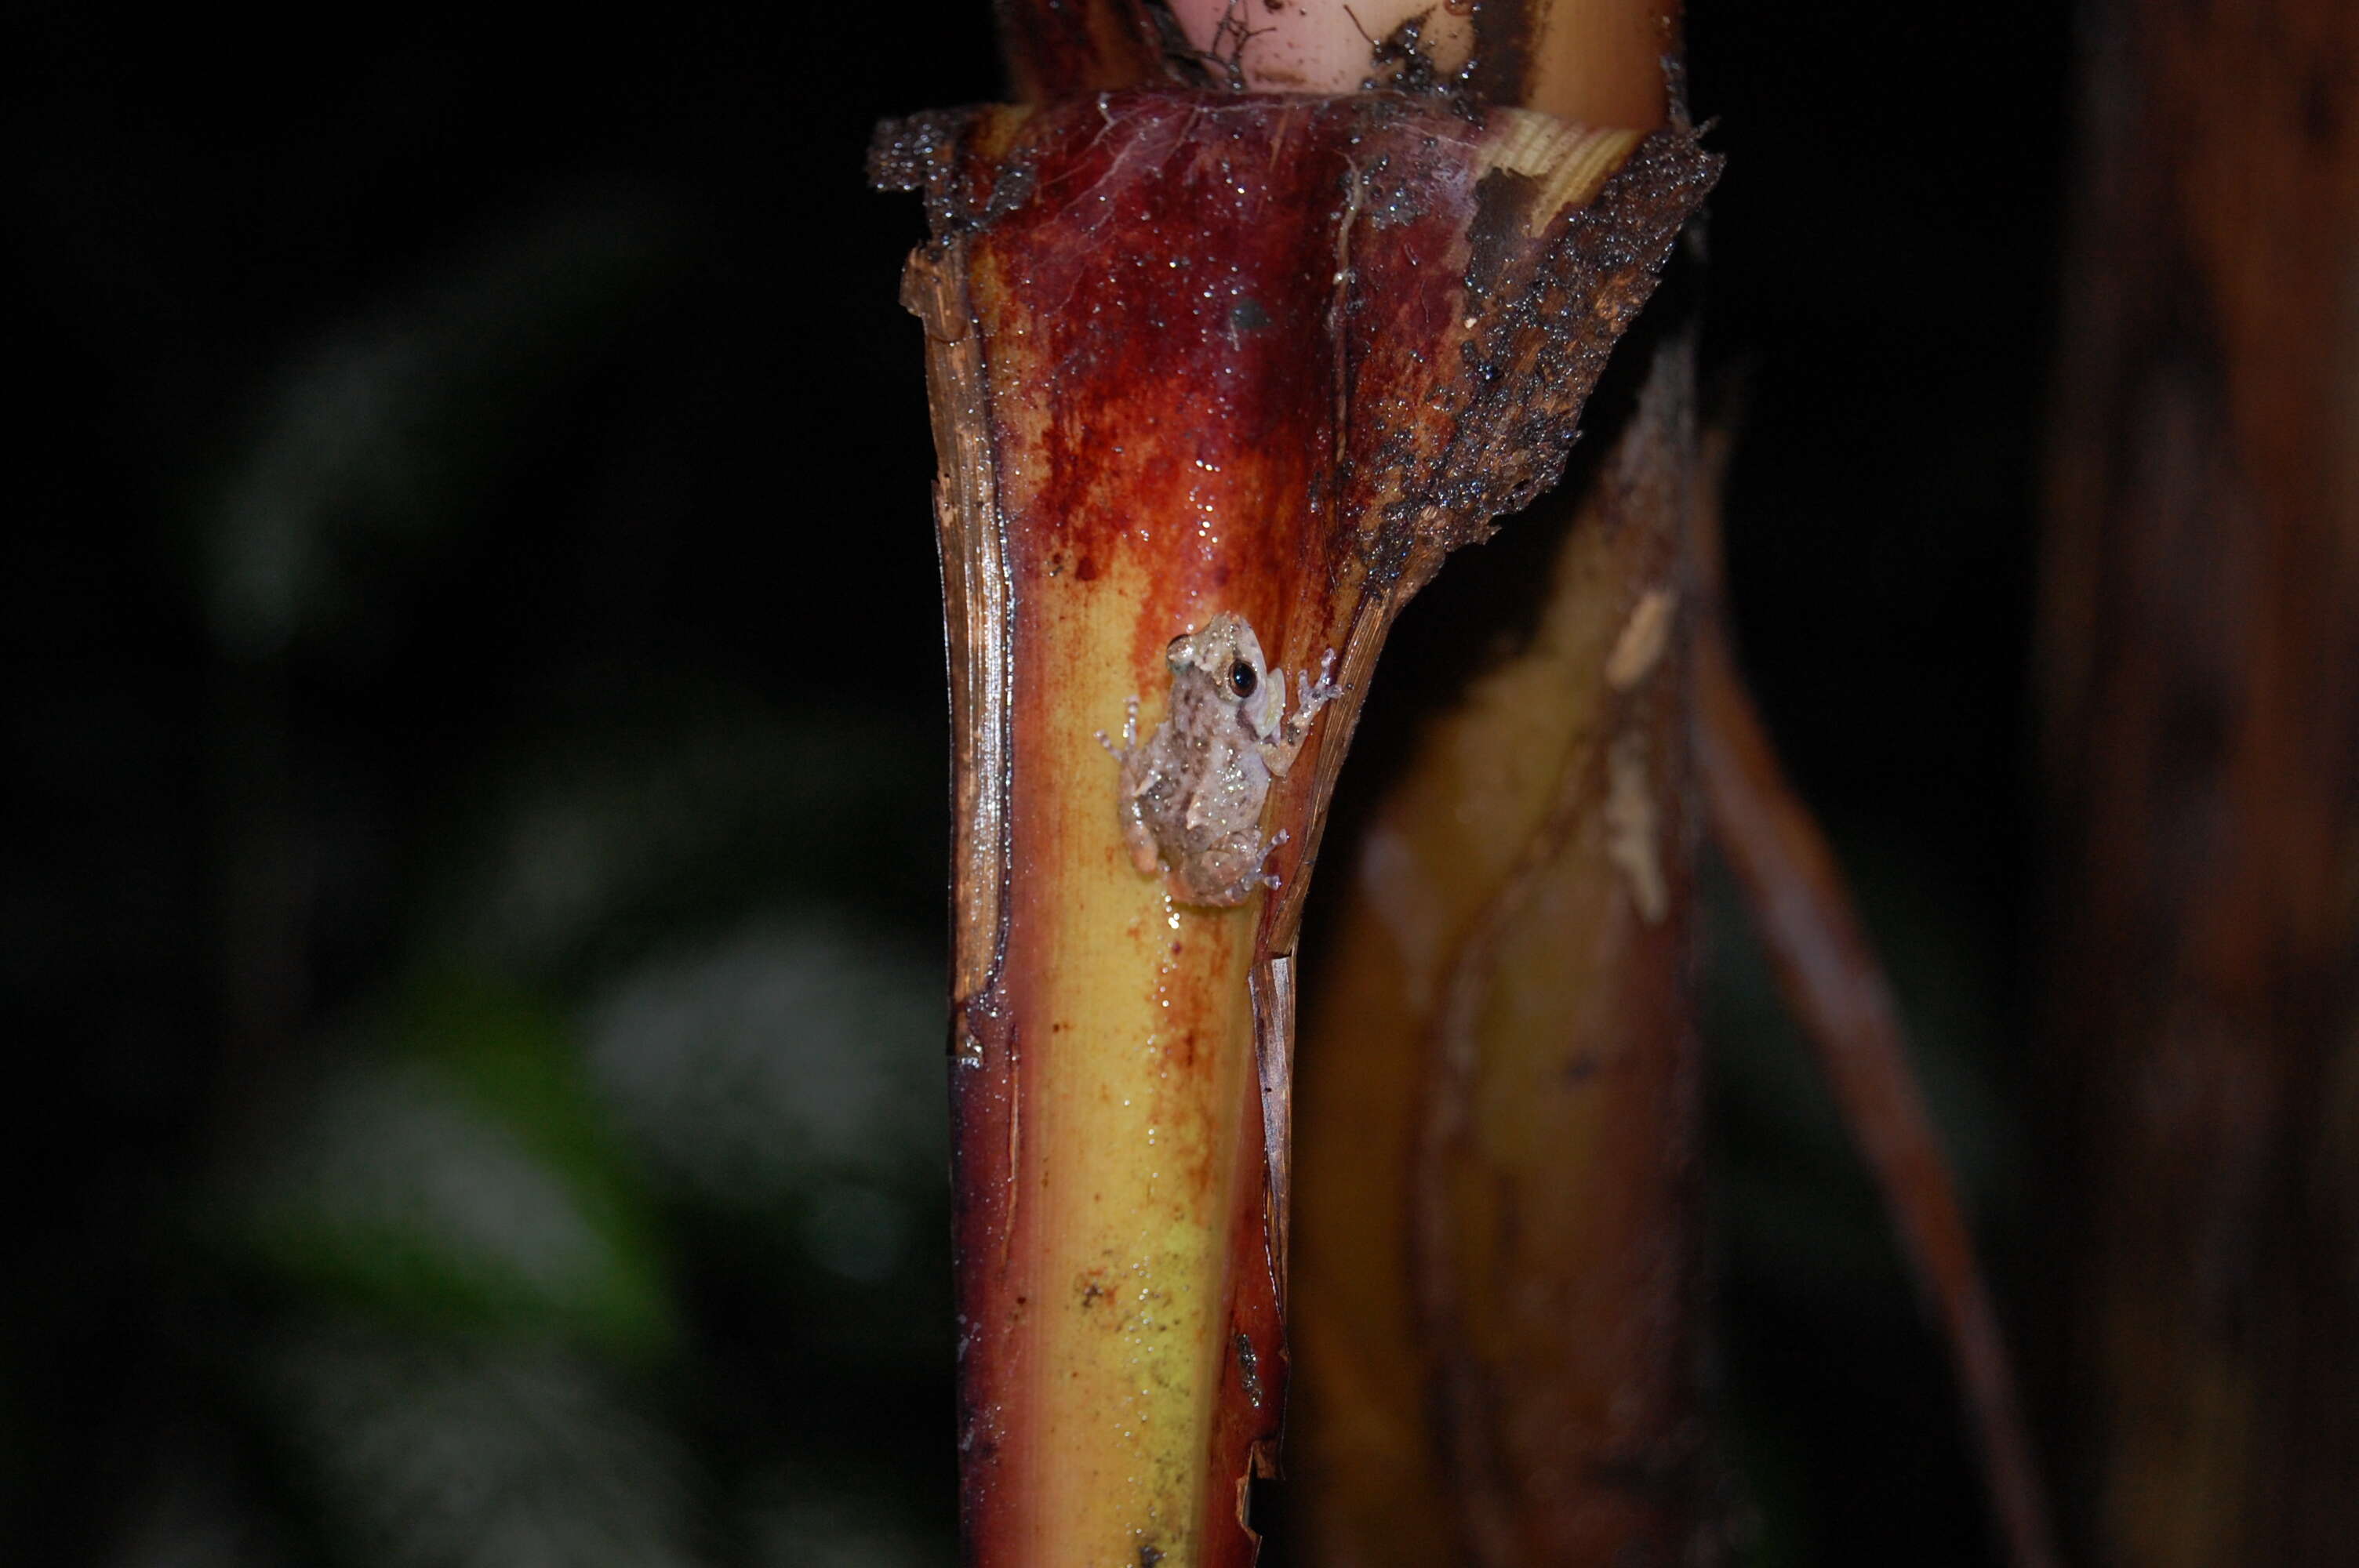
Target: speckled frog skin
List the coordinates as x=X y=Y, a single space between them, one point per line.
x=1190 y=798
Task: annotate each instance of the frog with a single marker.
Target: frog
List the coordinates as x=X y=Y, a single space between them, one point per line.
x=1190 y=797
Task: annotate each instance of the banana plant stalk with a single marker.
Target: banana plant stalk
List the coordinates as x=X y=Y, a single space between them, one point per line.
x=1217 y=379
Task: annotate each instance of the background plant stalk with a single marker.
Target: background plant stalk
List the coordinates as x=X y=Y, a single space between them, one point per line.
x=1501 y=1079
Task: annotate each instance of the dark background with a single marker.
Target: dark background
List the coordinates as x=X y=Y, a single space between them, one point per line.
x=471 y=928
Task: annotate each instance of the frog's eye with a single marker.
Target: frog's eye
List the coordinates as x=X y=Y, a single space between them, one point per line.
x=1242 y=678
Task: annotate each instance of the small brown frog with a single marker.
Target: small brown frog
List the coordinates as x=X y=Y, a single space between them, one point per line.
x=1191 y=798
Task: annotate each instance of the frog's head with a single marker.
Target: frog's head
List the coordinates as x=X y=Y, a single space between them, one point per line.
x=1230 y=656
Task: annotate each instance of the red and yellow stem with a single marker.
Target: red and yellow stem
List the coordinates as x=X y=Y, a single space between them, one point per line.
x=1194 y=352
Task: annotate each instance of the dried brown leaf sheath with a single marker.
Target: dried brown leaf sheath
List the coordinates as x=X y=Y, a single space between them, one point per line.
x=1188 y=353
x=1500 y=1080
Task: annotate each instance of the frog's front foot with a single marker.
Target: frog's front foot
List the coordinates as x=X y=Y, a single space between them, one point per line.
x=1265 y=876
x=1318 y=694
x=1130 y=735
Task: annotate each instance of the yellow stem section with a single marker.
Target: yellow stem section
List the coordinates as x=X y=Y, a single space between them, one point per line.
x=1130 y=1119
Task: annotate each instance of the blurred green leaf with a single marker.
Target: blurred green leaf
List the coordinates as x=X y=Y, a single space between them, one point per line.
x=451 y=1453
x=462 y=1179
x=384 y=438
x=647 y=809
x=784 y=1077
